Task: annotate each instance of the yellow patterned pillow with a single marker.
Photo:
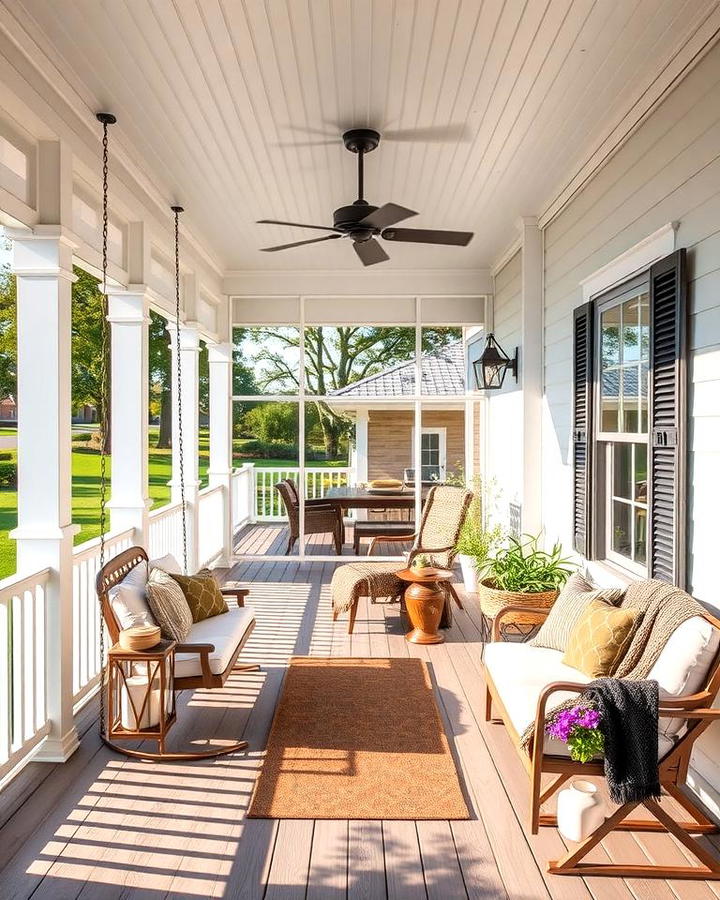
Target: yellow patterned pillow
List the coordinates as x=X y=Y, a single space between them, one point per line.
x=203 y=595
x=600 y=639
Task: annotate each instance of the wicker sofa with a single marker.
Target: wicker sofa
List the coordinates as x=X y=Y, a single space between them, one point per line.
x=525 y=682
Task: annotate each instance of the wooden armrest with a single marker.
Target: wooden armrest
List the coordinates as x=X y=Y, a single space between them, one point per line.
x=204 y=651
x=194 y=648
x=239 y=593
x=539 y=733
x=512 y=608
x=391 y=538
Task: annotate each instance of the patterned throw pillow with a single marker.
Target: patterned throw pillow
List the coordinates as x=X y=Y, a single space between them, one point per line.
x=168 y=605
x=600 y=639
x=202 y=594
x=567 y=611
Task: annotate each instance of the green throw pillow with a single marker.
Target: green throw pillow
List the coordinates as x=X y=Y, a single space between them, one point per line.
x=203 y=595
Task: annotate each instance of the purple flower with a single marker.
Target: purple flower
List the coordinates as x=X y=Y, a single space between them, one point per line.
x=564 y=722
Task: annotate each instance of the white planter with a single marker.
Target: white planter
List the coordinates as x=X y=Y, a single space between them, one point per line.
x=579 y=810
x=469 y=572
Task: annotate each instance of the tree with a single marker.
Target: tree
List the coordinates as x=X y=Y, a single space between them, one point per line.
x=334 y=359
x=160 y=386
x=87 y=357
x=8 y=334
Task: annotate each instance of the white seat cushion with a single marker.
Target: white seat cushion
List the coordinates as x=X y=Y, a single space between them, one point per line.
x=520 y=672
x=682 y=667
x=225 y=631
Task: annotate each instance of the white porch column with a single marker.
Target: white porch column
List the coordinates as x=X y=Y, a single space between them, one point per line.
x=187 y=353
x=42 y=263
x=362 y=420
x=220 y=471
x=531 y=373
x=128 y=314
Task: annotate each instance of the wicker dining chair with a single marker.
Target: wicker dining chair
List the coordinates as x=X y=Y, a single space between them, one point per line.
x=443 y=516
x=320 y=518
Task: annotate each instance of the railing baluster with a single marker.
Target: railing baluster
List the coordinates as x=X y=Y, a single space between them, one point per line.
x=5 y=682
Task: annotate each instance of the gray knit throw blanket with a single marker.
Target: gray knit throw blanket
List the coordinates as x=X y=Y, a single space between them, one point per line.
x=662 y=608
x=629 y=723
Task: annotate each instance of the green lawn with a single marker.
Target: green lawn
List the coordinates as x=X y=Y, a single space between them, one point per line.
x=86 y=490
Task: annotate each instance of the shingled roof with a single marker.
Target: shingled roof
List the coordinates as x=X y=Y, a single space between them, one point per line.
x=442 y=373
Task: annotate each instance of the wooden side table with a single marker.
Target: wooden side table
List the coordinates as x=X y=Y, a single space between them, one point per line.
x=141 y=694
x=425 y=599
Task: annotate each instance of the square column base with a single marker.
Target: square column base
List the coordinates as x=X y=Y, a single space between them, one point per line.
x=58 y=750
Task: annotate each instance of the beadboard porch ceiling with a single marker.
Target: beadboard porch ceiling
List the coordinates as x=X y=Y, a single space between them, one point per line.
x=235 y=109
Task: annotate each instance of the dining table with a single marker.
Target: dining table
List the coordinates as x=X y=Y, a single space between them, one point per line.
x=362 y=497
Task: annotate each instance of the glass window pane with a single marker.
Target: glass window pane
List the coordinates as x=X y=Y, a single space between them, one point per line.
x=644 y=380
x=610 y=331
x=622 y=470
x=610 y=401
x=641 y=453
x=621 y=537
x=640 y=535
x=629 y=394
x=443 y=361
x=360 y=361
x=644 y=327
x=631 y=330
x=266 y=446
x=266 y=360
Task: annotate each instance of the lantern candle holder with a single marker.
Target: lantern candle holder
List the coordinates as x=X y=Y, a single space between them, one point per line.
x=141 y=693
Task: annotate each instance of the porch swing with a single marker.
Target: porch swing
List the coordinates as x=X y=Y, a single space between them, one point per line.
x=210 y=654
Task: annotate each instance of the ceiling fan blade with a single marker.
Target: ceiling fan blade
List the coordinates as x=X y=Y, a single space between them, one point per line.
x=329 y=237
x=428 y=236
x=387 y=215
x=432 y=134
x=370 y=252
x=294 y=224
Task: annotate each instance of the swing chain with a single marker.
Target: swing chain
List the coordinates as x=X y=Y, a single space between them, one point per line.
x=106 y=119
x=177 y=210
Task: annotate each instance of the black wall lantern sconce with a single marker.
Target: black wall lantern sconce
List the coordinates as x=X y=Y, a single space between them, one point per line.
x=492 y=366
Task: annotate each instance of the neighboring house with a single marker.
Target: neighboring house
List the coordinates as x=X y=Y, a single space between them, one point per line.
x=8 y=409
x=385 y=428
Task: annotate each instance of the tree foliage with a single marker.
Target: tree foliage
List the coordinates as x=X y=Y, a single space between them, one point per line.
x=335 y=357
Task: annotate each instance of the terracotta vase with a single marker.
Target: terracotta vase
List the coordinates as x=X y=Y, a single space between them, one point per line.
x=424 y=604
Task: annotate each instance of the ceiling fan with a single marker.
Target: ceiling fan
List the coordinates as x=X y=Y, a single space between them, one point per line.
x=364 y=223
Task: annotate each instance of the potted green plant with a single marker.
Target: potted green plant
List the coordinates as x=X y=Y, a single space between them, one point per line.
x=474 y=547
x=521 y=573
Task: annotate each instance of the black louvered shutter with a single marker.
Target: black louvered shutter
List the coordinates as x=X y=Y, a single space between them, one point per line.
x=668 y=410
x=582 y=425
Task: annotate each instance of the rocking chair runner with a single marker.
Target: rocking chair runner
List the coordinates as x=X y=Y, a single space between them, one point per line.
x=696 y=709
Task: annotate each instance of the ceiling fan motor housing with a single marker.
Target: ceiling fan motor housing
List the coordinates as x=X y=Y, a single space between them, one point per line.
x=345 y=219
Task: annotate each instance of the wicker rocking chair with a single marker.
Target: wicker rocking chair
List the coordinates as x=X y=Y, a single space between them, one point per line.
x=320 y=518
x=443 y=515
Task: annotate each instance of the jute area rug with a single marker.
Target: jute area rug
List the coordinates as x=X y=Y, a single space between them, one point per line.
x=358 y=739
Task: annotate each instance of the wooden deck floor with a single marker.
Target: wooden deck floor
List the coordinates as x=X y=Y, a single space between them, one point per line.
x=271 y=539
x=103 y=826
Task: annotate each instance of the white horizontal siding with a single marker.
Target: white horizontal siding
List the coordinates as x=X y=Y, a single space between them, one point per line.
x=505 y=412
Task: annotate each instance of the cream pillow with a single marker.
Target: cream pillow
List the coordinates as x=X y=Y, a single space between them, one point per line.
x=167 y=563
x=169 y=606
x=567 y=611
x=127 y=599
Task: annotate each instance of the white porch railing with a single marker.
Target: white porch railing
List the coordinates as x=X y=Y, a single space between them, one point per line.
x=86 y=613
x=23 y=688
x=318 y=480
x=211 y=523
x=165 y=531
x=242 y=492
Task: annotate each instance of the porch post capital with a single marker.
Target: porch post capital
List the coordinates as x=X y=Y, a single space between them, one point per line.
x=128 y=306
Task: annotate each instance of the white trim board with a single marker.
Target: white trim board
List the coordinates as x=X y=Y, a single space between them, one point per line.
x=636 y=259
